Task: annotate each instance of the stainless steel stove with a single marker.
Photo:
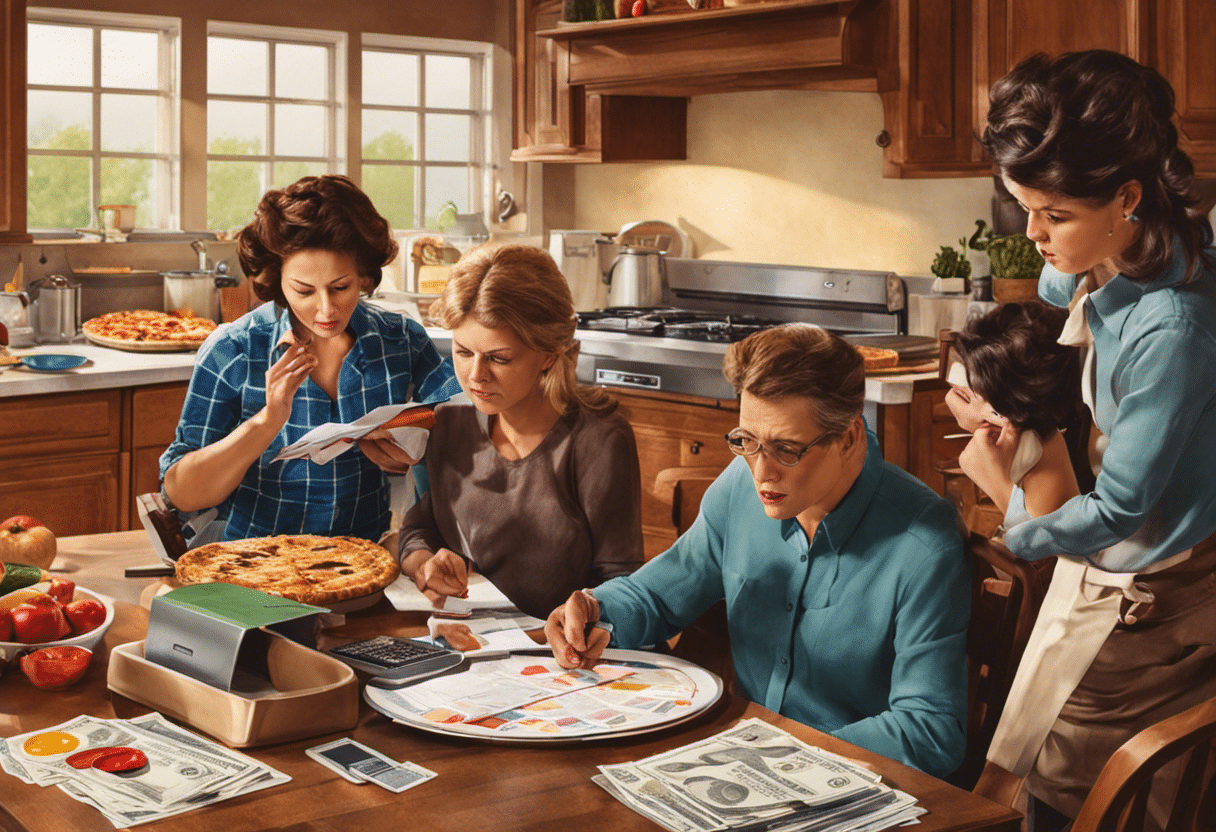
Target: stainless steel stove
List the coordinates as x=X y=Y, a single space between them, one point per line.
x=708 y=304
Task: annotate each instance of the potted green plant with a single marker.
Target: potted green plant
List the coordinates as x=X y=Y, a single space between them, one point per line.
x=952 y=269
x=1015 y=263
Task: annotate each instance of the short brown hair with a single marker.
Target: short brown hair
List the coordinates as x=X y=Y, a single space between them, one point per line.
x=520 y=287
x=801 y=360
x=317 y=212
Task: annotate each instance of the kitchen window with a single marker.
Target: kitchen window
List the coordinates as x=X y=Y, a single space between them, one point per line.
x=425 y=121
x=102 y=117
x=274 y=114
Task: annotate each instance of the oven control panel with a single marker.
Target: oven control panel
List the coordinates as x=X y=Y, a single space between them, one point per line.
x=628 y=379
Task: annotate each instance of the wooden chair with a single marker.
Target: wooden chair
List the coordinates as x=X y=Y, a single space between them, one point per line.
x=1119 y=798
x=1006 y=593
x=706 y=641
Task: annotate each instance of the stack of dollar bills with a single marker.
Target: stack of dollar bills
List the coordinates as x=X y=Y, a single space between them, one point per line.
x=184 y=771
x=759 y=778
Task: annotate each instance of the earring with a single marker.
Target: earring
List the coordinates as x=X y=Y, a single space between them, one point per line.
x=1133 y=218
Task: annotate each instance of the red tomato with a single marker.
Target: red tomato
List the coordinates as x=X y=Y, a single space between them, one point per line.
x=52 y=668
x=37 y=622
x=43 y=600
x=85 y=614
x=6 y=625
x=62 y=590
x=639 y=8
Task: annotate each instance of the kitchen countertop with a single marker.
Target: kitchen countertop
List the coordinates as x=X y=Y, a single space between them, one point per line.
x=107 y=368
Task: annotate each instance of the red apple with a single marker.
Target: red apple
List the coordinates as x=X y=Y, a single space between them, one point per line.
x=85 y=615
x=25 y=540
x=52 y=668
x=36 y=621
x=62 y=590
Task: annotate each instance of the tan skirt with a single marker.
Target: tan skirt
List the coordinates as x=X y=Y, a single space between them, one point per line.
x=1150 y=668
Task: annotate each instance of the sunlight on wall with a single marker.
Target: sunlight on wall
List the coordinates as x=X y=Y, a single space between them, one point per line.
x=787 y=177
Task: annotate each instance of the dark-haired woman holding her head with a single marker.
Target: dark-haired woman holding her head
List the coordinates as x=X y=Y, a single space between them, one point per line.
x=312 y=251
x=1087 y=144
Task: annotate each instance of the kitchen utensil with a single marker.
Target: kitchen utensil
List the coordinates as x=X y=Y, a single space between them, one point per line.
x=15 y=315
x=195 y=291
x=656 y=234
x=53 y=362
x=577 y=255
x=55 y=309
x=636 y=277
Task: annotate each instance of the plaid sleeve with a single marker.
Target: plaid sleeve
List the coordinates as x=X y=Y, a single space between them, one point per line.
x=434 y=377
x=213 y=402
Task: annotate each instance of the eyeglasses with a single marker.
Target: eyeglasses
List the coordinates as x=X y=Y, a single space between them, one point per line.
x=744 y=444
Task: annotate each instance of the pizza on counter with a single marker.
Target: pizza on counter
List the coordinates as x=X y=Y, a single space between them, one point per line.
x=308 y=568
x=145 y=326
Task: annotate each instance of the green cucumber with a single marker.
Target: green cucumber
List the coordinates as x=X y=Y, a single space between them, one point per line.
x=18 y=575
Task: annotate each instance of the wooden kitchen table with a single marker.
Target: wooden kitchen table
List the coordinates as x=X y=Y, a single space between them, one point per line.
x=480 y=785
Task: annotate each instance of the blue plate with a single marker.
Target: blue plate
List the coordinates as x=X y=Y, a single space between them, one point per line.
x=53 y=363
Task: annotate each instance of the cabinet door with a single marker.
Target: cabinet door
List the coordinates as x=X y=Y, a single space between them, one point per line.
x=70 y=495
x=672 y=434
x=60 y=424
x=1017 y=28
x=1185 y=54
x=155 y=412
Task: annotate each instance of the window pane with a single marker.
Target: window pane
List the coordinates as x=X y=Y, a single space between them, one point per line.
x=299 y=130
x=389 y=135
x=447 y=138
x=391 y=188
x=301 y=71
x=233 y=191
x=237 y=67
x=59 y=55
x=129 y=182
x=129 y=59
x=59 y=120
x=236 y=127
x=448 y=81
x=287 y=172
x=443 y=184
x=128 y=122
x=58 y=193
x=390 y=78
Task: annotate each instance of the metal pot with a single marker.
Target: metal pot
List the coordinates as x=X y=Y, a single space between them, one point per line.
x=636 y=277
x=55 y=309
x=195 y=292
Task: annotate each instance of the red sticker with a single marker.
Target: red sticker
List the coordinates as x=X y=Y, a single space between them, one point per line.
x=121 y=759
x=533 y=669
x=84 y=759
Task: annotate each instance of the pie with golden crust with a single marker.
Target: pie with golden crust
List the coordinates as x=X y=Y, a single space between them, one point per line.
x=308 y=568
x=878 y=358
x=146 y=326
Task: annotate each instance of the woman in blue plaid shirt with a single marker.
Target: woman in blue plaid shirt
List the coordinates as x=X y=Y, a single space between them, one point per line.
x=265 y=380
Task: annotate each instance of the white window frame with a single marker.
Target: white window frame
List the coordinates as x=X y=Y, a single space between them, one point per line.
x=168 y=197
x=334 y=100
x=484 y=127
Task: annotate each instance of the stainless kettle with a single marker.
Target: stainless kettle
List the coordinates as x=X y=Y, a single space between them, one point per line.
x=55 y=309
x=636 y=277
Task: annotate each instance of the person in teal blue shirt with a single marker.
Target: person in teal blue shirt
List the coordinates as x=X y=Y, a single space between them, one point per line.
x=846 y=589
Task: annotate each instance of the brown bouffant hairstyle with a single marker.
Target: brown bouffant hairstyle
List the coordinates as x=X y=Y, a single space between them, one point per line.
x=317 y=212
x=1086 y=123
x=520 y=288
x=801 y=360
x=1014 y=360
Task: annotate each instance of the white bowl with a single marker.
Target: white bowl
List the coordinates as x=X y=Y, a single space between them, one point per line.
x=89 y=640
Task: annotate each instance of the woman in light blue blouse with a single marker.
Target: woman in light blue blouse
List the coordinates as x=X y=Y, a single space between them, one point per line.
x=1086 y=143
x=846 y=591
x=313 y=249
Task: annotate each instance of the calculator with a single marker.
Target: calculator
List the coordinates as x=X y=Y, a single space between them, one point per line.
x=391 y=657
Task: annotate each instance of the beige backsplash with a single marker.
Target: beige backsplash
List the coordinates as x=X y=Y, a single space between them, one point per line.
x=784 y=177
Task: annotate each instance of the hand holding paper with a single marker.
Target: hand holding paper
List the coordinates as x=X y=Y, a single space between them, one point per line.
x=406 y=426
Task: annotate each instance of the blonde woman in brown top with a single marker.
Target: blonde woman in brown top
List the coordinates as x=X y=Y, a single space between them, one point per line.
x=535 y=484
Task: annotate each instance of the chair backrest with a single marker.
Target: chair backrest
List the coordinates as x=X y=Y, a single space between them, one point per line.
x=1119 y=798
x=1006 y=593
x=162 y=525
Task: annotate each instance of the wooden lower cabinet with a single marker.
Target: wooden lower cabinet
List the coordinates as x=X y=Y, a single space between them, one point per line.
x=75 y=461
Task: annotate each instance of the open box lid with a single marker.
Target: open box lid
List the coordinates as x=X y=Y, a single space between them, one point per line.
x=216 y=632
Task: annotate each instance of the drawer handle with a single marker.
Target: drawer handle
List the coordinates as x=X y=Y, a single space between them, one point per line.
x=694 y=448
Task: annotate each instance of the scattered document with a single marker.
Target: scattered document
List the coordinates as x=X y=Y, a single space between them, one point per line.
x=325 y=442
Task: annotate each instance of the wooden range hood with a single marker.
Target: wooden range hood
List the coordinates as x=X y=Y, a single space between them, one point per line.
x=800 y=44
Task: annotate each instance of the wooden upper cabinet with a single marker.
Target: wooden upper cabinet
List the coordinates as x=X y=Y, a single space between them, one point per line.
x=12 y=133
x=1184 y=49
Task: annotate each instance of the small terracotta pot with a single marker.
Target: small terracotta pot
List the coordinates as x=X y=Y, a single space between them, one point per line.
x=1010 y=289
